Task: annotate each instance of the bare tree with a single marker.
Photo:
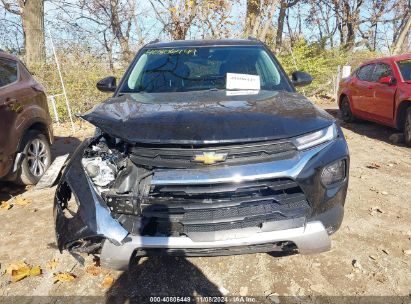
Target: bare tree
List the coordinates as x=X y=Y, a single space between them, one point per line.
x=401 y=25
x=176 y=16
x=259 y=17
x=349 y=16
x=11 y=32
x=284 y=5
x=216 y=18
x=31 y=13
x=114 y=15
x=402 y=37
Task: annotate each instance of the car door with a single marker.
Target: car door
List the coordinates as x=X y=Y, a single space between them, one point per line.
x=9 y=84
x=361 y=89
x=383 y=102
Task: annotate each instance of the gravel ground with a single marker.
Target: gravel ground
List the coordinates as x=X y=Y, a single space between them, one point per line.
x=370 y=256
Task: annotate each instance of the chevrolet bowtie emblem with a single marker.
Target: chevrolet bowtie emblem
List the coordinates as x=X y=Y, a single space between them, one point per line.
x=209 y=158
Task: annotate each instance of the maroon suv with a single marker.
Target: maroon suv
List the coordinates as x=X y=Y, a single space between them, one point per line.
x=25 y=124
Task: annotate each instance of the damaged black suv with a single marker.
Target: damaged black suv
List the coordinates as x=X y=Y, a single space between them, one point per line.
x=204 y=149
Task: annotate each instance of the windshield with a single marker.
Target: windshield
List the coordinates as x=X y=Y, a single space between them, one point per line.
x=405 y=69
x=204 y=68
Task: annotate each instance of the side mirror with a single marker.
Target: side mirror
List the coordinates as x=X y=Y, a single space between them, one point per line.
x=300 y=79
x=388 y=80
x=107 y=84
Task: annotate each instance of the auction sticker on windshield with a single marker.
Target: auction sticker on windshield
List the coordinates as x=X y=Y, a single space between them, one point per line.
x=242 y=82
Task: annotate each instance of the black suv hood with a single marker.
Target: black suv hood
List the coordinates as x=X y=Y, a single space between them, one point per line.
x=207 y=117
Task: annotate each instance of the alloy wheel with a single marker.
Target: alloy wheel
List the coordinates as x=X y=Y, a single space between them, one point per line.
x=37 y=157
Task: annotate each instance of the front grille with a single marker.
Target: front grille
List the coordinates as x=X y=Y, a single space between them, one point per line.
x=183 y=210
x=183 y=156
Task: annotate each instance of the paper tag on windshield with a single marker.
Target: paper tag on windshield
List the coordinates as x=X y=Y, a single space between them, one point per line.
x=242 y=82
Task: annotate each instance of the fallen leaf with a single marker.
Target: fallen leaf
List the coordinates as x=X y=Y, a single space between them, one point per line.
x=373 y=166
x=52 y=264
x=22 y=201
x=5 y=206
x=15 y=266
x=108 y=281
x=93 y=270
x=63 y=277
x=21 y=270
x=20 y=273
x=35 y=271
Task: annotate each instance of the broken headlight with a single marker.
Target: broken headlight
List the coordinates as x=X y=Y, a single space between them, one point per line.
x=333 y=173
x=316 y=138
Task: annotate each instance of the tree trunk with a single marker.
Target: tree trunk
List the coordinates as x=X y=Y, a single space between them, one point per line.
x=399 y=43
x=280 y=25
x=350 y=42
x=32 y=17
x=253 y=10
x=117 y=31
x=350 y=20
x=263 y=34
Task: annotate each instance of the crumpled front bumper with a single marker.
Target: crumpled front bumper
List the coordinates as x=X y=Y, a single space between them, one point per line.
x=94 y=219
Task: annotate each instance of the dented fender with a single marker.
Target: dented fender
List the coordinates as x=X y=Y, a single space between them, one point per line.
x=92 y=217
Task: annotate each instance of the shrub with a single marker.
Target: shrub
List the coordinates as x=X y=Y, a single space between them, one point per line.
x=321 y=63
x=81 y=71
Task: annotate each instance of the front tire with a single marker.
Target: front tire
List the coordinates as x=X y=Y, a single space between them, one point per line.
x=37 y=158
x=345 y=108
x=407 y=128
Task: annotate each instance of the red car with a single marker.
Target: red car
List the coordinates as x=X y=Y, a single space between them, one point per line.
x=379 y=91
